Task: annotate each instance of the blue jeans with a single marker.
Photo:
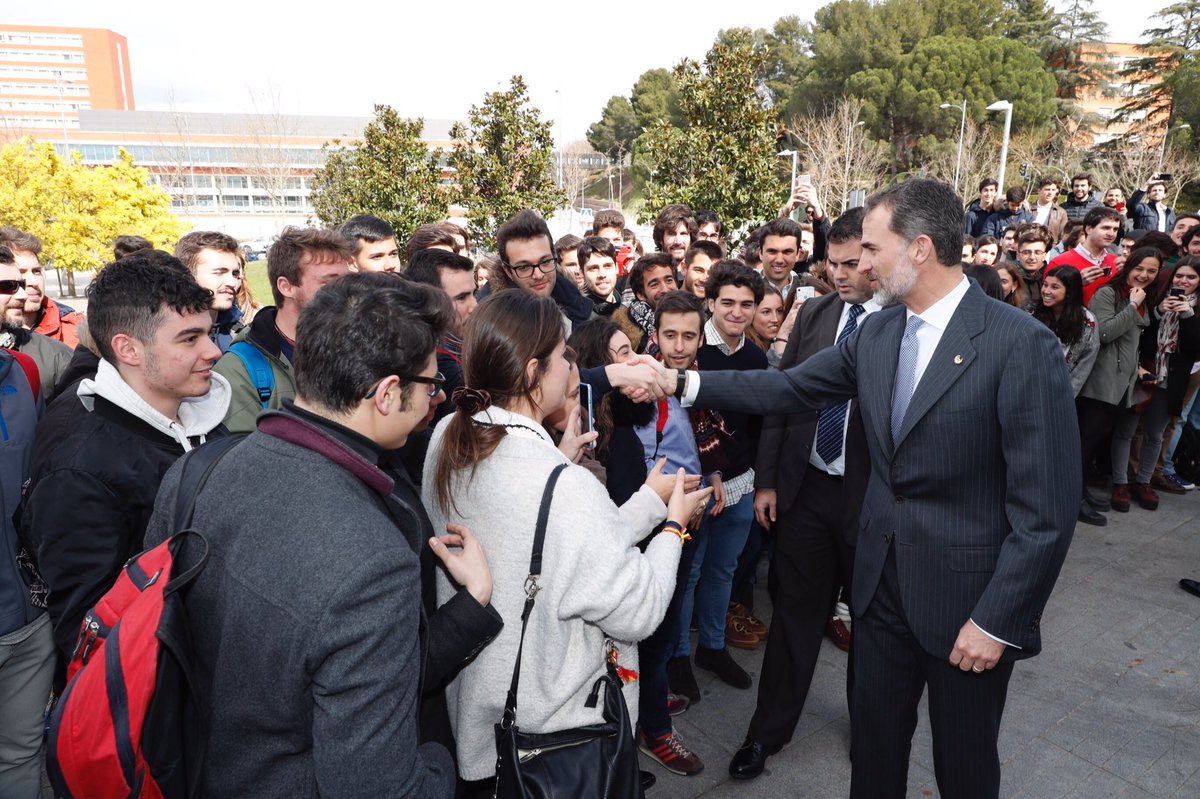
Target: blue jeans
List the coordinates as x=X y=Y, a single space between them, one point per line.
x=719 y=544
x=1191 y=415
x=655 y=651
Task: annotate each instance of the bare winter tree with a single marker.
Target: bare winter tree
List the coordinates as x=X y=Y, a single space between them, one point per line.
x=836 y=154
x=176 y=167
x=579 y=170
x=980 y=159
x=269 y=162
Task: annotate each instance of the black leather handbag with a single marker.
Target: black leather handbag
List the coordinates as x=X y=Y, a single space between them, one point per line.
x=599 y=760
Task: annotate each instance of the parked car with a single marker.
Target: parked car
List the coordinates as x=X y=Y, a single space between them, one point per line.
x=256 y=248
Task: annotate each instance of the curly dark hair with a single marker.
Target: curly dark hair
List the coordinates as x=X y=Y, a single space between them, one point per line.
x=361 y=328
x=132 y=296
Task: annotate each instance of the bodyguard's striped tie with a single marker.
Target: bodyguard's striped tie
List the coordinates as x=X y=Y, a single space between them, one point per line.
x=831 y=424
x=906 y=375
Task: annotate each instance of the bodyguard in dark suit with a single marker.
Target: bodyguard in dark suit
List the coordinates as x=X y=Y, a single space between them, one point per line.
x=810 y=479
x=972 y=497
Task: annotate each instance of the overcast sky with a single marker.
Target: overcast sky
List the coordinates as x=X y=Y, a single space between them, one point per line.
x=432 y=60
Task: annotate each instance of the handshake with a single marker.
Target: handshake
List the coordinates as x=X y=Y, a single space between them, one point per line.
x=642 y=378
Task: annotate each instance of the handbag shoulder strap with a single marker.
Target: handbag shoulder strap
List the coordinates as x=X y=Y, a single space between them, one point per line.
x=531 y=590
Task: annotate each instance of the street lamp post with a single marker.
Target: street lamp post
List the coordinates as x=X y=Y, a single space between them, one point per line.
x=794 y=155
x=1162 y=152
x=846 y=166
x=1006 y=107
x=962 y=129
x=62 y=110
x=561 y=149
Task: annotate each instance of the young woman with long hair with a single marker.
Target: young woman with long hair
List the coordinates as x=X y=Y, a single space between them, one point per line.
x=1169 y=347
x=1186 y=278
x=489 y=463
x=1121 y=310
x=1012 y=285
x=1060 y=308
x=766 y=331
x=987 y=250
x=597 y=343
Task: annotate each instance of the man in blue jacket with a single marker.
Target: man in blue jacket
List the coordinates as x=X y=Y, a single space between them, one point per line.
x=26 y=643
x=1147 y=211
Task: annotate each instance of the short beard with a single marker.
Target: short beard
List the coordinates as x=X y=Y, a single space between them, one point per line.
x=893 y=289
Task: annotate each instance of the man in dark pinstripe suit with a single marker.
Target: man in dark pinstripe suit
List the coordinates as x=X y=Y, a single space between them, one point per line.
x=971 y=503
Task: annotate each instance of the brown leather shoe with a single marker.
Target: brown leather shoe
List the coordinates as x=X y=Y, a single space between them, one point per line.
x=748 y=619
x=1160 y=483
x=1145 y=496
x=736 y=634
x=836 y=631
x=1120 y=497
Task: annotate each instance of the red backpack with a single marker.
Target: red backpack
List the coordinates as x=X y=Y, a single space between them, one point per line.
x=125 y=725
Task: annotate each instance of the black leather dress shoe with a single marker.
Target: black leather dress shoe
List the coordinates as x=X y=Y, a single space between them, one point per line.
x=1089 y=515
x=648 y=780
x=750 y=760
x=1191 y=586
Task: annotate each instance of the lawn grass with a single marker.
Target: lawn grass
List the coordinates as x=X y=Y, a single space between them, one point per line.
x=260 y=284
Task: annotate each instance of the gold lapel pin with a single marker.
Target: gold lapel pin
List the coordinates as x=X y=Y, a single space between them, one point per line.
x=957 y=359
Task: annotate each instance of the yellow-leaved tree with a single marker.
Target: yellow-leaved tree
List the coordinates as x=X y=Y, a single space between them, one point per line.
x=77 y=211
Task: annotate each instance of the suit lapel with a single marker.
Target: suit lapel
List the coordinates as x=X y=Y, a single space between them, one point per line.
x=951 y=359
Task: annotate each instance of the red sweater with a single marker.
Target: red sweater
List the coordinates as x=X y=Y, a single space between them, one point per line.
x=1074 y=259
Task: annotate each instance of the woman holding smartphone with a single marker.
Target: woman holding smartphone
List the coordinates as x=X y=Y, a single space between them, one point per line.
x=490 y=462
x=1169 y=348
x=1120 y=307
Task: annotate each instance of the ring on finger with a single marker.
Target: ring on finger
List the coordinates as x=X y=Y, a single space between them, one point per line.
x=977 y=670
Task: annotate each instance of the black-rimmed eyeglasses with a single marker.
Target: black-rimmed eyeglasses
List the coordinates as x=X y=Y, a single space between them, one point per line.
x=547 y=264
x=436 y=382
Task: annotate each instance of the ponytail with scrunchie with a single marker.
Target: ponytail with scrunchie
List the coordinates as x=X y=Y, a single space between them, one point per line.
x=471 y=400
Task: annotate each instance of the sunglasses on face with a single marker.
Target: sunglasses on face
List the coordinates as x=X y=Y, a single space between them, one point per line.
x=11 y=286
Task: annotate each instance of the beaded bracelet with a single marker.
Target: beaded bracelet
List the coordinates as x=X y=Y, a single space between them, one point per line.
x=674 y=528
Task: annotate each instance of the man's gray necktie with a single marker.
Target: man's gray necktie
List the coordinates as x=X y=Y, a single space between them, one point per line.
x=831 y=424
x=906 y=375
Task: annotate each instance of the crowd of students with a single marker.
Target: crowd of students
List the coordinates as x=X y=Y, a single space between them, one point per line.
x=369 y=539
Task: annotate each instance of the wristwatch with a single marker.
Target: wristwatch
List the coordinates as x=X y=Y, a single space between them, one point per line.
x=680 y=384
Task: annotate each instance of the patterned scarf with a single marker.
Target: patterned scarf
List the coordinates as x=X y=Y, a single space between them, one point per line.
x=642 y=314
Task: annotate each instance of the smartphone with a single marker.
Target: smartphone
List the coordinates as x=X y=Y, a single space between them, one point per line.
x=1175 y=292
x=805 y=293
x=1165 y=177
x=587 y=422
x=803 y=180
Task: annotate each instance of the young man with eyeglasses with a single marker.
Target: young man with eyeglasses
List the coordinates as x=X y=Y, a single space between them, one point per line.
x=709 y=227
x=1033 y=242
x=217 y=263
x=50 y=356
x=354 y=696
x=299 y=263
x=528 y=262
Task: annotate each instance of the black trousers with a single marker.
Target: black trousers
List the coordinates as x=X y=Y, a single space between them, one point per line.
x=811 y=559
x=892 y=671
x=1096 y=422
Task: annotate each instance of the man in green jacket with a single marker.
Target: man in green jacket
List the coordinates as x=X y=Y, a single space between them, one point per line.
x=259 y=364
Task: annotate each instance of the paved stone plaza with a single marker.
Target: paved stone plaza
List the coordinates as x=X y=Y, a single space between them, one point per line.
x=1111 y=708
